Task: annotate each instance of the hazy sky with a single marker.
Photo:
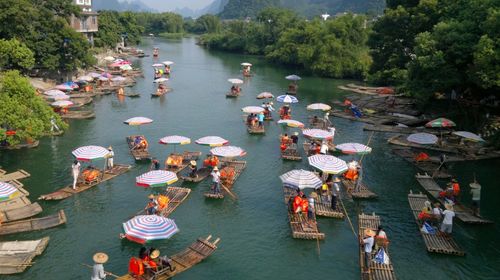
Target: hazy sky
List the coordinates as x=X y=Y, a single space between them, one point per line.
x=163 y=5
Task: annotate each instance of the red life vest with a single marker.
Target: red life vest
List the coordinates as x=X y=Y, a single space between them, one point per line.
x=135 y=267
x=456 y=189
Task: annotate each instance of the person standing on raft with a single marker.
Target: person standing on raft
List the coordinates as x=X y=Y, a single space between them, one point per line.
x=109 y=158
x=98 y=272
x=367 y=242
x=216 y=180
x=75 y=170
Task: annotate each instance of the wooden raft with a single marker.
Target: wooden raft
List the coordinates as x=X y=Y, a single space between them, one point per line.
x=256 y=129
x=377 y=271
x=177 y=196
x=400 y=140
x=137 y=154
x=201 y=174
x=364 y=192
x=16 y=256
x=435 y=243
x=20 y=213
x=397 y=129
x=187 y=156
x=33 y=224
x=462 y=212
x=16 y=175
x=291 y=154
x=238 y=166
x=299 y=226
x=426 y=166
x=184 y=260
x=118 y=169
x=323 y=208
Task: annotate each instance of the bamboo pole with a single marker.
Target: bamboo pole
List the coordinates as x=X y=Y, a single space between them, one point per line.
x=106 y=272
x=348 y=219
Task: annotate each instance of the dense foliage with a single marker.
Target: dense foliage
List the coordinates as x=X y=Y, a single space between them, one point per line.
x=15 y=55
x=332 y=48
x=157 y=23
x=22 y=110
x=113 y=25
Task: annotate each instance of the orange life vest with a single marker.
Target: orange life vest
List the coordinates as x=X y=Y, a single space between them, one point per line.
x=456 y=189
x=283 y=147
x=206 y=162
x=214 y=161
x=297 y=201
x=305 y=205
x=163 y=201
x=351 y=174
x=422 y=157
x=135 y=267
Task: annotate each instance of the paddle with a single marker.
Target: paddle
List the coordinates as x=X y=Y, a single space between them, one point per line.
x=106 y=272
x=228 y=191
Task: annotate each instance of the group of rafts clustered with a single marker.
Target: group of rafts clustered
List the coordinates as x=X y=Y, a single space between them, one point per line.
x=307 y=194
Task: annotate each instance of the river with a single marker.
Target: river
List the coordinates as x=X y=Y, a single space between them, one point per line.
x=256 y=240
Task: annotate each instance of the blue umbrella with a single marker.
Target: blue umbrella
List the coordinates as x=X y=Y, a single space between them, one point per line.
x=287 y=99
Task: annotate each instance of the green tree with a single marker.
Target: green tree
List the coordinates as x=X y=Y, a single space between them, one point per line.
x=15 y=55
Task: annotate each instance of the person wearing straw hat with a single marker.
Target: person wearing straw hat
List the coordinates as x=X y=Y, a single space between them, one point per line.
x=98 y=272
x=367 y=242
x=447 y=224
x=75 y=170
x=193 y=169
x=475 y=190
x=156 y=263
x=215 y=180
x=109 y=158
x=152 y=206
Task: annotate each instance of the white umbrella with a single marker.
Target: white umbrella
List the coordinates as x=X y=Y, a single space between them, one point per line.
x=168 y=62
x=126 y=67
x=212 y=141
x=319 y=106
x=246 y=64
x=54 y=92
x=228 y=151
x=293 y=77
x=160 y=80
x=85 y=78
x=60 y=97
x=252 y=109
x=62 y=103
x=353 y=148
x=422 y=138
x=319 y=133
x=138 y=121
x=468 y=135
x=328 y=164
x=291 y=123
x=157 y=65
x=156 y=178
x=235 y=81
x=265 y=94
x=89 y=153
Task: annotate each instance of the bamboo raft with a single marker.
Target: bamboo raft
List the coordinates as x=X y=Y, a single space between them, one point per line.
x=65 y=192
x=137 y=154
x=400 y=140
x=31 y=145
x=307 y=146
x=16 y=256
x=184 y=260
x=291 y=154
x=187 y=156
x=238 y=166
x=426 y=166
x=377 y=271
x=201 y=174
x=462 y=212
x=20 y=213
x=435 y=243
x=256 y=129
x=396 y=129
x=364 y=192
x=33 y=224
x=78 y=115
x=231 y=95
x=300 y=227
x=323 y=208
x=16 y=175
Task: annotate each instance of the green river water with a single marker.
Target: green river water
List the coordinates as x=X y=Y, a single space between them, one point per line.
x=256 y=240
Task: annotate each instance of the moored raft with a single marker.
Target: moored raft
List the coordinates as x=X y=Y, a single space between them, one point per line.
x=462 y=212
x=228 y=182
x=20 y=213
x=363 y=193
x=16 y=256
x=33 y=224
x=426 y=166
x=301 y=228
x=118 y=169
x=78 y=115
x=16 y=175
x=138 y=154
x=323 y=208
x=184 y=260
x=291 y=154
x=377 y=270
x=400 y=140
x=435 y=243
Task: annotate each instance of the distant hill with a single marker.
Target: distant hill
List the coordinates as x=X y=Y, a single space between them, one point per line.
x=214 y=8
x=115 y=5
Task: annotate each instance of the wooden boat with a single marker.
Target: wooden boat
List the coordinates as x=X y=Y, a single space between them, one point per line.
x=15 y=203
x=33 y=224
x=435 y=243
x=65 y=192
x=20 y=213
x=323 y=208
x=31 y=145
x=16 y=256
x=364 y=192
x=80 y=101
x=78 y=115
x=176 y=196
x=400 y=140
x=377 y=270
x=301 y=228
x=426 y=166
x=396 y=129
x=256 y=129
x=133 y=94
x=201 y=174
x=16 y=175
x=138 y=154
x=184 y=260
x=291 y=154
x=178 y=162
x=82 y=94
x=462 y=212
x=237 y=166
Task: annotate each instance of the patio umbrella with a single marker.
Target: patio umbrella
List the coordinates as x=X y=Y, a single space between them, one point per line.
x=319 y=133
x=145 y=228
x=126 y=67
x=422 y=138
x=468 y=135
x=228 y=151
x=328 y=164
x=156 y=178
x=301 y=179
x=291 y=123
x=89 y=153
x=319 y=106
x=235 y=81
x=160 y=80
x=62 y=103
x=138 y=121
x=175 y=140
x=353 y=148
x=157 y=65
x=168 y=62
x=54 y=92
x=252 y=109
x=441 y=122
x=67 y=86
x=246 y=64
x=7 y=191
x=264 y=95
x=287 y=99
x=293 y=77
x=212 y=141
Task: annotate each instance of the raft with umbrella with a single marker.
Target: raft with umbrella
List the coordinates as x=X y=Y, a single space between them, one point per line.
x=321 y=123
x=139 y=151
x=293 y=87
x=146 y=228
x=176 y=162
x=401 y=140
x=184 y=260
x=253 y=127
x=88 y=154
x=13 y=195
x=361 y=191
x=230 y=170
x=235 y=83
x=318 y=136
x=17 y=256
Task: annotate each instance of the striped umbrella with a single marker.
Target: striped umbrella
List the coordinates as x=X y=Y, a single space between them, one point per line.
x=212 y=141
x=265 y=94
x=168 y=62
x=62 y=103
x=354 y=148
x=54 y=92
x=228 y=151
x=319 y=106
x=7 y=191
x=156 y=178
x=291 y=123
x=301 y=179
x=160 y=80
x=235 y=81
x=89 y=153
x=423 y=138
x=441 y=122
x=293 y=77
x=287 y=99
x=138 y=121
x=319 y=133
x=145 y=228
x=175 y=140
x=468 y=135
x=59 y=97
x=328 y=164
x=252 y=109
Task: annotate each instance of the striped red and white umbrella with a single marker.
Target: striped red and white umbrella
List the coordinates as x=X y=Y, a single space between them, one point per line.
x=138 y=121
x=441 y=122
x=328 y=164
x=301 y=179
x=175 y=140
x=319 y=106
x=145 y=228
x=252 y=109
x=291 y=123
x=353 y=148
x=265 y=94
x=62 y=103
x=212 y=141
x=319 y=133
x=228 y=151
x=7 y=191
x=89 y=153
x=54 y=92
x=156 y=178
x=422 y=138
